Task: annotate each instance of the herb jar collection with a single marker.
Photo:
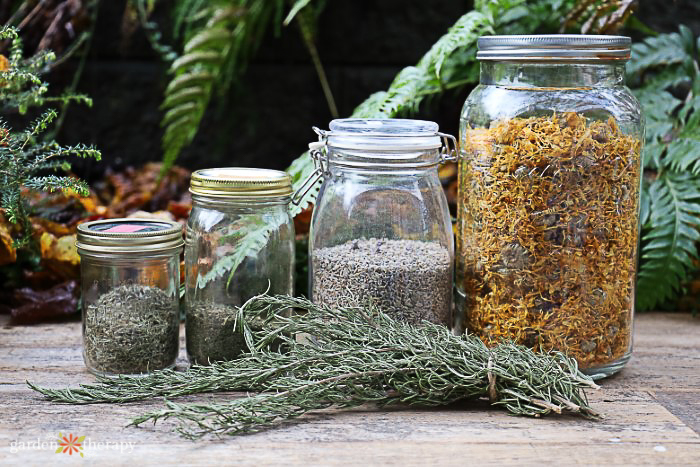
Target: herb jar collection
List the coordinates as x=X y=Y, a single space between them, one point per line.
x=547 y=227
x=549 y=197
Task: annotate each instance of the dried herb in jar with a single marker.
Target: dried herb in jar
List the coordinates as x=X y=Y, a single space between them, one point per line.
x=131 y=329
x=548 y=234
x=211 y=333
x=409 y=280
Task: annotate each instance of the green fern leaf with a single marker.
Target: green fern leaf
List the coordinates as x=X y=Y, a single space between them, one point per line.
x=370 y=105
x=183 y=95
x=188 y=80
x=206 y=58
x=658 y=106
x=188 y=94
x=668 y=238
x=220 y=37
x=251 y=240
x=462 y=34
x=683 y=153
x=664 y=49
x=214 y=38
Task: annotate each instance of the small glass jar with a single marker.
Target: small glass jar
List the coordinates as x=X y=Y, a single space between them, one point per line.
x=549 y=197
x=239 y=243
x=130 y=274
x=380 y=232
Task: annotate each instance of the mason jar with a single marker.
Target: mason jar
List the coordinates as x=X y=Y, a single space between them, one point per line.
x=130 y=274
x=547 y=230
x=239 y=244
x=380 y=232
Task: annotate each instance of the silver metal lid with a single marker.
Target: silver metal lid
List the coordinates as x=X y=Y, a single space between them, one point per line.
x=554 y=47
x=394 y=134
x=128 y=236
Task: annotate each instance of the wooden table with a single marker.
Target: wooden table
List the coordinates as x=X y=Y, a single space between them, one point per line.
x=652 y=416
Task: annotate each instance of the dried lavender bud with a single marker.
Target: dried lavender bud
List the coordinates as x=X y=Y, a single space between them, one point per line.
x=131 y=329
x=407 y=279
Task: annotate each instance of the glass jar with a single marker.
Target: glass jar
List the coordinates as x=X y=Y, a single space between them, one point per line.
x=130 y=274
x=549 y=197
x=239 y=243
x=380 y=232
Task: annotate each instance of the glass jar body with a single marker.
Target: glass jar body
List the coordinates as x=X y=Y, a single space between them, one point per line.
x=381 y=235
x=234 y=249
x=131 y=317
x=548 y=210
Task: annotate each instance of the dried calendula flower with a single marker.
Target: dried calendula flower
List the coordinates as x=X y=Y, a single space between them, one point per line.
x=548 y=235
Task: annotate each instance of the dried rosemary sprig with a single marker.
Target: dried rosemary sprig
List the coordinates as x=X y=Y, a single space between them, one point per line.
x=357 y=356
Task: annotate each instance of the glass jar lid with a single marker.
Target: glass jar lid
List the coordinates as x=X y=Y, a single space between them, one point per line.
x=554 y=47
x=395 y=134
x=237 y=182
x=137 y=236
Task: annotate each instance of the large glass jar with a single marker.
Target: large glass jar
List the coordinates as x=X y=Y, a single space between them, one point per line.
x=130 y=274
x=381 y=233
x=549 y=197
x=239 y=243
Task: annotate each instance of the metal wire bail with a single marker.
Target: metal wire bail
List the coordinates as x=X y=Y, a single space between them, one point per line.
x=447 y=153
x=318 y=153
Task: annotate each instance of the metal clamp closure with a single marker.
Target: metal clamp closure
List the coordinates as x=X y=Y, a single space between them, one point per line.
x=447 y=153
x=318 y=152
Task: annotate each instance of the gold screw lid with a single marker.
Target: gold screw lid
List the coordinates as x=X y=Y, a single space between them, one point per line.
x=237 y=182
x=129 y=236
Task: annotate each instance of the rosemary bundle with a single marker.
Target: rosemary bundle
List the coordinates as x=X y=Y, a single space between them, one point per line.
x=356 y=356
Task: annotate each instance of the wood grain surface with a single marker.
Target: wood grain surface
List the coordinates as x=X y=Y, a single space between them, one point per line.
x=652 y=416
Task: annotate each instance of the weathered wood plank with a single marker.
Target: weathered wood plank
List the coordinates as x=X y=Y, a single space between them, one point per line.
x=651 y=416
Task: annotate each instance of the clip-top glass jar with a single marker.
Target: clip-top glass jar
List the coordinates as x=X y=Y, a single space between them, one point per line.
x=239 y=243
x=549 y=197
x=130 y=274
x=380 y=232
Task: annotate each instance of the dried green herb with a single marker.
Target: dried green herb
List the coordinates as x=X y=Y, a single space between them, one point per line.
x=131 y=329
x=211 y=333
x=547 y=235
x=357 y=356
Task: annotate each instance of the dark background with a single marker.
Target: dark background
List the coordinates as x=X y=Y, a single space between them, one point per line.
x=266 y=119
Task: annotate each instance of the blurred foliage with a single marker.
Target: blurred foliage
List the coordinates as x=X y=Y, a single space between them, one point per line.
x=666 y=78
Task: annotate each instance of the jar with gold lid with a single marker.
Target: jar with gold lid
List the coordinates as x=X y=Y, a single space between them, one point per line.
x=130 y=273
x=239 y=243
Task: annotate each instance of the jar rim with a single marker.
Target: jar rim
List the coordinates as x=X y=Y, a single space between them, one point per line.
x=554 y=47
x=241 y=182
x=129 y=235
x=389 y=134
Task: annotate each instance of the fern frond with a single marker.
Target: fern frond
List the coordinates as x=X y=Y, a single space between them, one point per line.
x=215 y=51
x=658 y=106
x=668 y=238
x=462 y=34
x=249 y=241
x=188 y=94
x=683 y=153
x=664 y=49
